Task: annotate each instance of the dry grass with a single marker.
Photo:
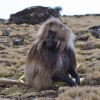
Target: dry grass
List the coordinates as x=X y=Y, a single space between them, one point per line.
x=6 y=72
x=80 y=93
x=80 y=44
x=12 y=60
x=81 y=24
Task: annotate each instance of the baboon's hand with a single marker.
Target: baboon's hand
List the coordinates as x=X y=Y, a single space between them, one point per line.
x=78 y=80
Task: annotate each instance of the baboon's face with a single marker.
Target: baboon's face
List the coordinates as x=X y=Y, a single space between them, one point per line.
x=51 y=40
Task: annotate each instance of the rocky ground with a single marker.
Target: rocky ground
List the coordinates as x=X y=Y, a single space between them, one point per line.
x=12 y=61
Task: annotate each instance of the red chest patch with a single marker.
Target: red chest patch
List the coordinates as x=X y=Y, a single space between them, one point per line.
x=62 y=55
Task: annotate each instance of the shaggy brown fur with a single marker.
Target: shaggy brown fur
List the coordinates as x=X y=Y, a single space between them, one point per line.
x=42 y=64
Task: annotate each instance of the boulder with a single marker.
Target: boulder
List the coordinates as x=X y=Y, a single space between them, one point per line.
x=18 y=41
x=89 y=46
x=82 y=37
x=32 y=15
x=95 y=31
x=6 y=31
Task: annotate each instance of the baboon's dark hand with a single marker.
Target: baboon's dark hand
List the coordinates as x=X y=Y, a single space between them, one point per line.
x=78 y=80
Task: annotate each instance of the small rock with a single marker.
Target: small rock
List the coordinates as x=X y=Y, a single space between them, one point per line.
x=82 y=38
x=6 y=44
x=6 y=31
x=95 y=31
x=90 y=46
x=18 y=41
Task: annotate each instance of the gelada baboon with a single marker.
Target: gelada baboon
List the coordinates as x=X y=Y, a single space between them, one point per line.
x=52 y=56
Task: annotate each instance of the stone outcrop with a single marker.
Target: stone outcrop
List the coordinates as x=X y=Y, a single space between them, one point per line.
x=6 y=31
x=95 y=31
x=32 y=15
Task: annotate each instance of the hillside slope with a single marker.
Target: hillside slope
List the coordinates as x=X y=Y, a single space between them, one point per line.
x=12 y=61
